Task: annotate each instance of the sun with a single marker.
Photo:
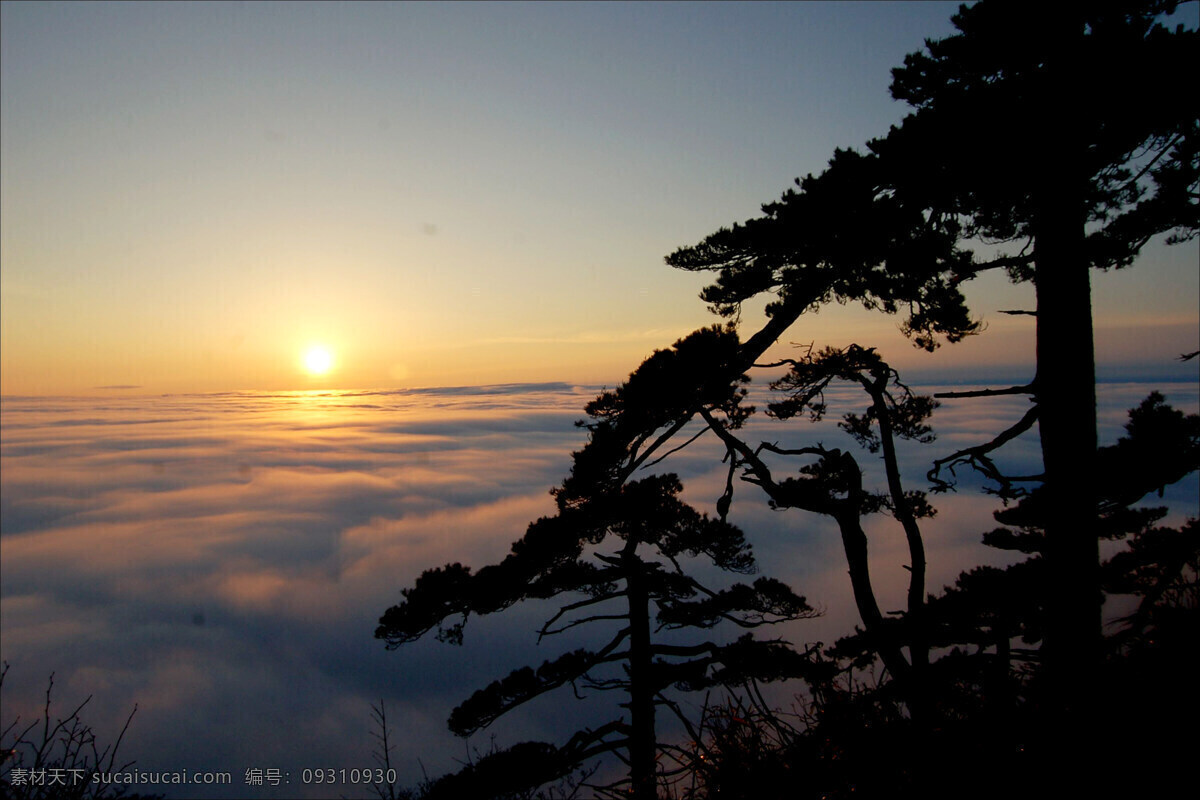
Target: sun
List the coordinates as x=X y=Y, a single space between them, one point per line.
x=318 y=360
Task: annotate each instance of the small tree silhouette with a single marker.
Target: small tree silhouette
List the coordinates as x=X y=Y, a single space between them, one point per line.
x=642 y=579
x=985 y=674
x=832 y=485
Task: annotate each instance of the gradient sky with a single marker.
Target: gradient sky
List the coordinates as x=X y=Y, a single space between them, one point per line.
x=443 y=194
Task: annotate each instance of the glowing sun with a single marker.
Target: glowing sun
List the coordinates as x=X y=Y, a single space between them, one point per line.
x=318 y=360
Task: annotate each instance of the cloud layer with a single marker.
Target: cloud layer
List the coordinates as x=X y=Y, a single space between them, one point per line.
x=222 y=560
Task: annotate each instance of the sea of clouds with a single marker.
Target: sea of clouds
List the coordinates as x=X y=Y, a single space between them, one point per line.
x=222 y=560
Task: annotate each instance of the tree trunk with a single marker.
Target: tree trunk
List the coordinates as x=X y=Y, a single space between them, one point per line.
x=918 y=634
x=1066 y=394
x=643 y=744
x=848 y=515
x=854 y=542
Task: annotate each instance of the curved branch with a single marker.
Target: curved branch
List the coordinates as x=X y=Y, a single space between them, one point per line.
x=591 y=601
x=847 y=514
x=676 y=449
x=977 y=458
x=485 y=706
x=636 y=461
x=816 y=450
x=581 y=621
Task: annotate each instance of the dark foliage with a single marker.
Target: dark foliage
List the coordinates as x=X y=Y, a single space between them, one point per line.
x=1057 y=136
x=654 y=533
x=813 y=247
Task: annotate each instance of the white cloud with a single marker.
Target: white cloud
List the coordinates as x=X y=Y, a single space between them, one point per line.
x=223 y=560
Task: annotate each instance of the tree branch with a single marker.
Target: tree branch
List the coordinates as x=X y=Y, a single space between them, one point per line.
x=635 y=461
x=1029 y=388
x=581 y=621
x=977 y=458
x=591 y=601
x=676 y=449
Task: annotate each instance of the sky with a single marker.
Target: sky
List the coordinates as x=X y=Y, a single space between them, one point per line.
x=194 y=194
